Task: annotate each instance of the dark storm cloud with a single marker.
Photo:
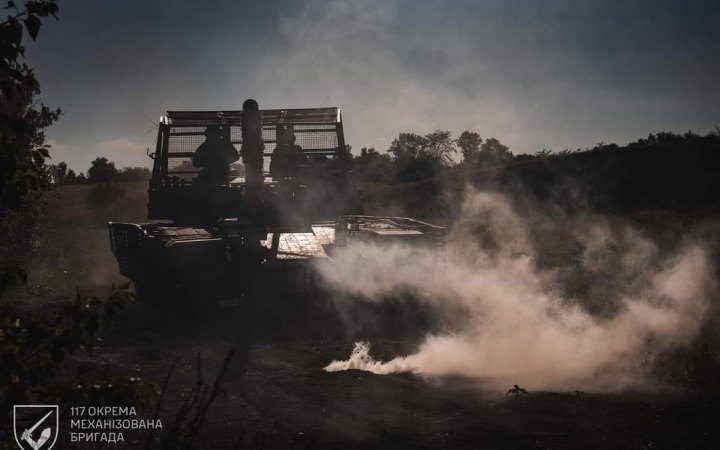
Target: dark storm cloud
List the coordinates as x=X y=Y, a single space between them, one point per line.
x=535 y=74
x=613 y=69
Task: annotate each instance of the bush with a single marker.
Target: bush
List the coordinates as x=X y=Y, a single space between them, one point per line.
x=34 y=346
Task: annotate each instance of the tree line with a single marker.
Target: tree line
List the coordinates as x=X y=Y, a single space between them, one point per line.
x=410 y=157
x=413 y=157
x=101 y=171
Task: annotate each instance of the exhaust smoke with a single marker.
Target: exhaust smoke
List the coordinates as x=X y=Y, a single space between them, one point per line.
x=590 y=321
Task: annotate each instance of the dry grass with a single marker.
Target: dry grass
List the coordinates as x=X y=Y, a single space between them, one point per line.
x=74 y=248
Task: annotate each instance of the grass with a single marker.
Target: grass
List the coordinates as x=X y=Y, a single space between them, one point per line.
x=74 y=247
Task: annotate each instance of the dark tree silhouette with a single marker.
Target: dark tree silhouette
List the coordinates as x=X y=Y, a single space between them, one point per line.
x=440 y=147
x=71 y=177
x=407 y=146
x=494 y=152
x=23 y=150
x=133 y=174
x=102 y=171
x=22 y=120
x=469 y=143
x=61 y=174
x=419 y=157
x=344 y=155
x=372 y=165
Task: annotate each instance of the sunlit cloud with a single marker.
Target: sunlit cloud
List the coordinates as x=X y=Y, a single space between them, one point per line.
x=124 y=152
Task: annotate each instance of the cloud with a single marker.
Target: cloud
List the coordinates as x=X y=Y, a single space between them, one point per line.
x=124 y=152
x=355 y=55
x=58 y=151
x=598 y=70
x=414 y=66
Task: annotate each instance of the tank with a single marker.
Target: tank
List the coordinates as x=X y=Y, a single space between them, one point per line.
x=245 y=227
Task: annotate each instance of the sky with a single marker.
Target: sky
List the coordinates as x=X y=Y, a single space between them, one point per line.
x=549 y=74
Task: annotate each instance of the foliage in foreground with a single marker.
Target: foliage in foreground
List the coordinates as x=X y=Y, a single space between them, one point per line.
x=35 y=347
x=23 y=150
x=191 y=416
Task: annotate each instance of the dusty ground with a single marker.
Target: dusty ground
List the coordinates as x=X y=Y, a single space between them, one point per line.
x=283 y=398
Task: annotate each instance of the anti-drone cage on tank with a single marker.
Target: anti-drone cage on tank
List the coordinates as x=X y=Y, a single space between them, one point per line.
x=318 y=131
x=173 y=192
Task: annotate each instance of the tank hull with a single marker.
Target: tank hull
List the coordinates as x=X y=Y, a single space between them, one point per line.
x=168 y=261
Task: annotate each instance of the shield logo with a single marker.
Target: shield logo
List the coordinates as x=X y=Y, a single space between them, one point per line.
x=36 y=426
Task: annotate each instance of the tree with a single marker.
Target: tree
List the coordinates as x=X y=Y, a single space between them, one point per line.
x=409 y=159
x=494 y=152
x=23 y=151
x=437 y=146
x=22 y=121
x=368 y=154
x=440 y=147
x=407 y=146
x=469 y=143
x=421 y=157
x=344 y=155
x=134 y=174
x=372 y=165
x=59 y=172
x=102 y=171
x=70 y=178
x=34 y=345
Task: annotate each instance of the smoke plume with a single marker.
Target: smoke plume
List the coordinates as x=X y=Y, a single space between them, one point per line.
x=582 y=303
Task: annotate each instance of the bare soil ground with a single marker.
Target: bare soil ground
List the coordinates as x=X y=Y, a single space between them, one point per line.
x=283 y=398
x=286 y=400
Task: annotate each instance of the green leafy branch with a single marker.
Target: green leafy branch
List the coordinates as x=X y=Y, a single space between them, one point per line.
x=33 y=346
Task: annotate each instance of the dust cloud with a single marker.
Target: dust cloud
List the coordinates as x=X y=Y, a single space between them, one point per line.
x=591 y=321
